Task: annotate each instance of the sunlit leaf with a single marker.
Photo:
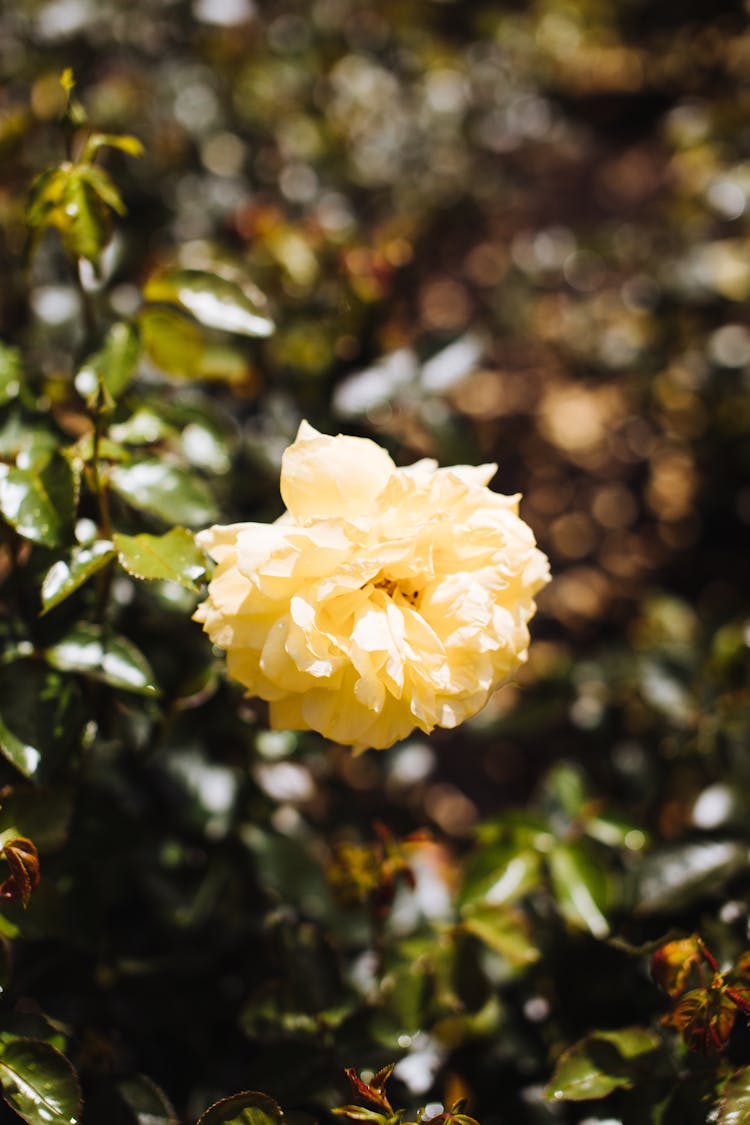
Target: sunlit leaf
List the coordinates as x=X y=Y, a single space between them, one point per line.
x=10 y=373
x=39 y=1083
x=212 y=300
x=74 y=199
x=31 y=435
x=102 y=186
x=165 y=490
x=503 y=929
x=678 y=875
x=38 y=501
x=580 y=887
x=100 y=655
x=172 y=557
x=116 y=363
x=131 y=145
x=734 y=1107
x=172 y=342
x=247 y=1108
x=81 y=220
x=66 y=575
x=144 y=427
x=497 y=874
x=602 y=1062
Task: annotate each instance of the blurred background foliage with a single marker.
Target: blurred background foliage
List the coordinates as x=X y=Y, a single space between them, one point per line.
x=474 y=231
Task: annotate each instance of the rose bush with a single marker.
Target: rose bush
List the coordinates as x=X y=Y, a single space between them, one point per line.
x=384 y=599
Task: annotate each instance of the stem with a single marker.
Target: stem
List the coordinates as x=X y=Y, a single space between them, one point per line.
x=101 y=487
x=89 y=313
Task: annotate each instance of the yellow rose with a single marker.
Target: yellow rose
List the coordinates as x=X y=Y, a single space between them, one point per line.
x=383 y=599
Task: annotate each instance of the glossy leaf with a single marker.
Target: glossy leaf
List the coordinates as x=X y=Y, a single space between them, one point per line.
x=39 y=717
x=31 y=435
x=172 y=342
x=144 y=427
x=10 y=373
x=172 y=557
x=80 y=217
x=102 y=186
x=39 y=1083
x=500 y=874
x=64 y=198
x=165 y=490
x=38 y=501
x=580 y=887
x=65 y=576
x=247 y=1108
x=212 y=300
x=505 y=930
x=734 y=1107
x=679 y=874
x=131 y=145
x=94 y=652
x=115 y=364
x=602 y=1062
x=147 y=1103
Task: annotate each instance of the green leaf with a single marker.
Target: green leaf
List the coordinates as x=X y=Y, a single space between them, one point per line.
x=112 y=659
x=359 y=1113
x=497 y=874
x=173 y=557
x=43 y=815
x=66 y=576
x=172 y=342
x=39 y=1083
x=81 y=220
x=165 y=490
x=602 y=1062
x=145 y=427
x=248 y=1108
x=565 y=786
x=734 y=1107
x=10 y=373
x=678 y=875
x=46 y=195
x=147 y=1103
x=38 y=501
x=213 y=301
x=115 y=364
x=123 y=141
x=102 y=186
x=580 y=887
x=40 y=719
x=503 y=929
x=31 y=435
x=73 y=198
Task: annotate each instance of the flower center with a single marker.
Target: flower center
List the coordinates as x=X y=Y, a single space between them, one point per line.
x=406 y=588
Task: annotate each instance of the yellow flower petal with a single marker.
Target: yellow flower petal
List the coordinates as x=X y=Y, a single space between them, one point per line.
x=383 y=600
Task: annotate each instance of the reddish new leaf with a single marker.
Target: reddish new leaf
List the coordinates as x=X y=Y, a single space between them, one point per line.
x=23 y=860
